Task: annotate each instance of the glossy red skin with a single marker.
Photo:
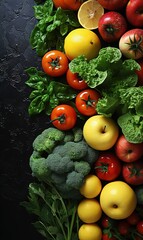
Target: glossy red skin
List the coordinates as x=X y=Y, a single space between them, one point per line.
x=139 y=227
x=133 y=173
x=70 y=117
x=123 y=227
x=106 y=221
x=75 y=81
x=86 y=101
x=134 y=13
x=112 y=166
x=55 y=63
x=133 y=219
x=111 y=26
x=126 y=151
x=113 y=4
x=60 y=3
x=140 y=73
x=125 y=40
x=105 y=236
x=72 y=4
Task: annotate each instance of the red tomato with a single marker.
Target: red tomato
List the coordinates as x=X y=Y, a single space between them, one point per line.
x=134 y=13
x=123 y=227
x=111 y=26
x=55 y=63
x=133 y=219
x=75 y=81
x=131 y=43
x=133 y=173
x=63 y=117
x=106 y=222
x=106 y=236
x=140 y=73
x=139 y=227
x=86 y=102
x=107 y=167
x=73 y=4
x=113 y=4
x=60 y=3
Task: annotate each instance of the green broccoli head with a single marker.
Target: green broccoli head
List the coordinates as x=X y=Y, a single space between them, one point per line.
x=75 y=180
x=59 y=164
x=75 y=151
x=82 y=167
x=91 y=156
x=38 y=167
x=48 y=139
x=58 y=178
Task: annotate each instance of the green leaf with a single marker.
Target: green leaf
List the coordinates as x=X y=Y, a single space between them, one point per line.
x=36 y=106
x=132 y=127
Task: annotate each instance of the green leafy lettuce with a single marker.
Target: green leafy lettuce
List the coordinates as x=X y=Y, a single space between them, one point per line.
x=116 y=80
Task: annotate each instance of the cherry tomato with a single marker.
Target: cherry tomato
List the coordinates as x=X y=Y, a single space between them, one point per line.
x=60 y=3
x=63 y=117
x=55 y=63
x=106 y=222
x=73 y=4
x=108 y=166
x=86 y=101
x=139 y=227
x=75 y=81
x=123 y=227
x=133 y=219
x=106 y=236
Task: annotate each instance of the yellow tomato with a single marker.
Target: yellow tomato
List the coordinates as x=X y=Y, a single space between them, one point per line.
x=89 y=210
x=91 y=186
x=118 y=200
x=90 y=232
x=82 y=41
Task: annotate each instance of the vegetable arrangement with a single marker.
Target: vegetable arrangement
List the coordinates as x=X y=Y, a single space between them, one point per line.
x=90 y=86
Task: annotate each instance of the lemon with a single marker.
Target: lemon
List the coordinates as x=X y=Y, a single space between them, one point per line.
x=91 y=186
x=89 y=210
x=89 y=14
x=90 y=232
x=82 y=41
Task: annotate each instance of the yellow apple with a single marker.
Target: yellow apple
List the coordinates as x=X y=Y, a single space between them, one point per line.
x=100 y=132
x=118 y=200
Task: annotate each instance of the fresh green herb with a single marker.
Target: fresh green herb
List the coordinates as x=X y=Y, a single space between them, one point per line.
x=57 y=218
x=116 y=80
x=47 y=93
x=51 y=22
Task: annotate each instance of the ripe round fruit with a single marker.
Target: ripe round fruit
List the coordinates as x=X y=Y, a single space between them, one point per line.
x=89 y=14
x=91 y=187
x=118 y=200
x=89 y=210
x=82 y=41
x=90 y=232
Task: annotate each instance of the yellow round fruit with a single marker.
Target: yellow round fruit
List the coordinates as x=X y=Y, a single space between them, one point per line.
x=90 y=232
x=89 y=14
x=82 y=41
x=89 y=210
x=100 y=132
x=118 y=200
x=91 y=186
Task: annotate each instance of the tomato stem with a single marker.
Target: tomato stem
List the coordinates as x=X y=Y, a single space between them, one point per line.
x=61 y=118
x=89 y=102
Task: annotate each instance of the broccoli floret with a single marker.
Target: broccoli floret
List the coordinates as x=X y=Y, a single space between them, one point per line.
x=91 y=156
x=75 y=179
x=82 y=167
x=58 y=178
x=76 y=151
x=48 y=139
x=38 y=167
x=59 y=164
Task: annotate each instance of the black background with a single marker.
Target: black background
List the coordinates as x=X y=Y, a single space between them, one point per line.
x=17 y=129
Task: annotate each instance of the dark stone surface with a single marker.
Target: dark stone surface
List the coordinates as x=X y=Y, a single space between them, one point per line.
x=17 y=129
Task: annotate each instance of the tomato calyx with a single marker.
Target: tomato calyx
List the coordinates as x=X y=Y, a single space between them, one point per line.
x=55 y=62
x=103 y=167
x=61 y=119
x=109 y=29
x=135 y=172
x=135 y=45
x=89 y=102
